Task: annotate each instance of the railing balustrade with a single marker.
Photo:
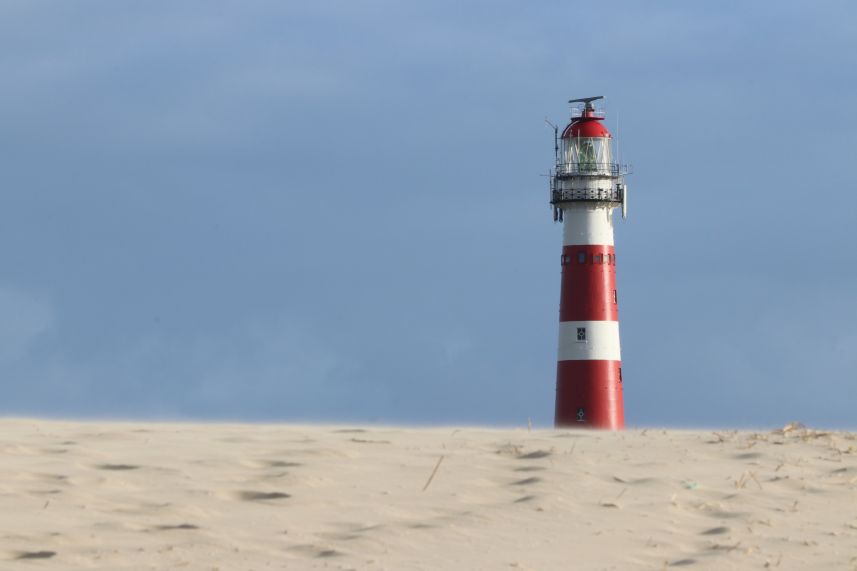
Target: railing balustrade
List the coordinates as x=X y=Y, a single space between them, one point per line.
x=590 y=168
x=586 y=195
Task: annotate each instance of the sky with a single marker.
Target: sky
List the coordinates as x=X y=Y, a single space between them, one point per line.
x=337 y=210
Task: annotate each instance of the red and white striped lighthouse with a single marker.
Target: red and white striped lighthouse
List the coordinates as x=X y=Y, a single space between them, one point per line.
x=587 y=184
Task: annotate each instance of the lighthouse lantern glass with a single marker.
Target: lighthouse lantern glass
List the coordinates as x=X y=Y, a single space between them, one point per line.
x=587 y=154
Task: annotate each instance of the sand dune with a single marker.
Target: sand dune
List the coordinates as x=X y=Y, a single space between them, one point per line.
x=92 y=495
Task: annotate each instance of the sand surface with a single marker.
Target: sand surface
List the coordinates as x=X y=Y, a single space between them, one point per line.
x=97 y=495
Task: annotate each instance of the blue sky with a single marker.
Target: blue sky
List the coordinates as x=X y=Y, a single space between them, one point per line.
x=335 y=210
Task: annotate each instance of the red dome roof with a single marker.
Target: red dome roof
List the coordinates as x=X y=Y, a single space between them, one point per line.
x=586 y=126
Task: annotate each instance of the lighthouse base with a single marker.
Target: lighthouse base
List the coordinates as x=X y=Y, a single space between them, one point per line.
x=589 y=395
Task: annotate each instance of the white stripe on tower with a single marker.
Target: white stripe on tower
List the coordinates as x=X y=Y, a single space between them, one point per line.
x=584 y=225
x=589 y=340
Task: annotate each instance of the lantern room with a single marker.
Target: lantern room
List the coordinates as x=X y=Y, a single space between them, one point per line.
x=586 y=167
x=585 y=146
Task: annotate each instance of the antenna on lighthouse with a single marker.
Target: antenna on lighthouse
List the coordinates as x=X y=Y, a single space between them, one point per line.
x=587 y=101
x=555 y=139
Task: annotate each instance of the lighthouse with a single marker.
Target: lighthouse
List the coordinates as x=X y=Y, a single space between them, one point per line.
x=586 y=186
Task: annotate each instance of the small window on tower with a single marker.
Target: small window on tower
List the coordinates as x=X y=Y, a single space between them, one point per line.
x=620 y=374
x=615 y=297
x=581 y=333
x=599 y=258
x=581 y=257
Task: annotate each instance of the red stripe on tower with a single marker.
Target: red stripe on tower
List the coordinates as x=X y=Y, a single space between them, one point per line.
x=588 y=291
x=594 y=386
x=586 y=186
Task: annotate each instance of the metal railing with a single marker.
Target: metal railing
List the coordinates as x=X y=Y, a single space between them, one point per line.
x=590 y=168
x=579 y=110
x=585 y=195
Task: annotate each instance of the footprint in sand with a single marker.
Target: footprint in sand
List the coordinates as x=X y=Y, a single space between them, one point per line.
x=315 y=551
x=526 y=481
x=35 y=555
x=339 y=536
x=279 y=464
x=55 y=478
x=116 y=467
x=251 y=496
x=349 y=531
x=724 y=514
x=188 y=526
x=632 y=481
x=45 y=492
x=715 y=531
x=748 y=456
x=535 y=455
x=271 y=464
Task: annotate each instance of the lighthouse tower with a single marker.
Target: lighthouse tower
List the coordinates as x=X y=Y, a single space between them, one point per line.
x=587 y=184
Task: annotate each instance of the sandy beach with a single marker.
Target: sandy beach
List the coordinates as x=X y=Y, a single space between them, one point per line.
x=113 y=495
